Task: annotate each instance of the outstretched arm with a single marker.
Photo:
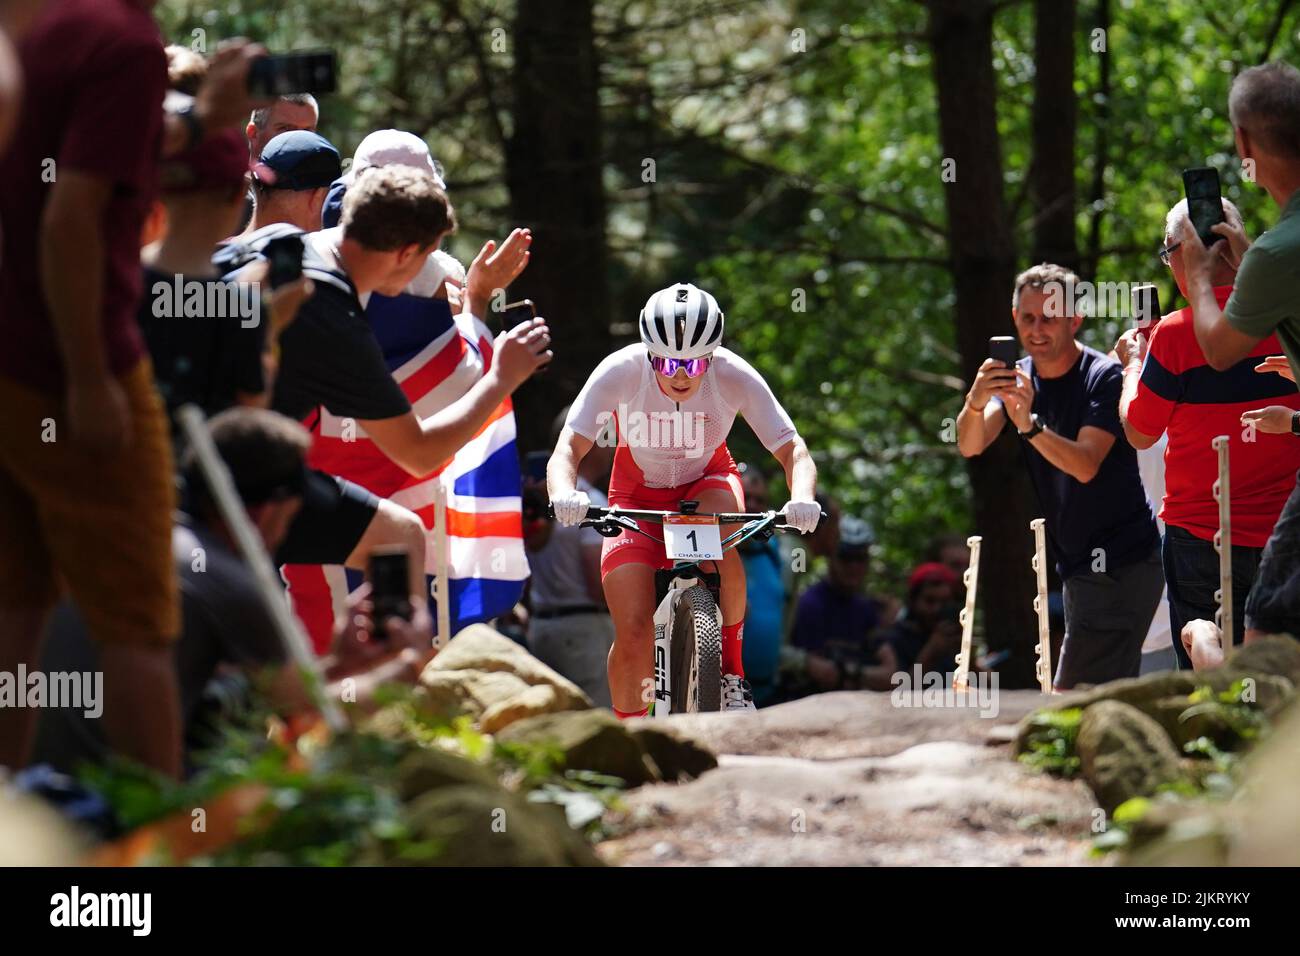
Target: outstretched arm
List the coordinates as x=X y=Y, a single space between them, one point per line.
x=422 y=446
x=800 y=470
x=562 y=469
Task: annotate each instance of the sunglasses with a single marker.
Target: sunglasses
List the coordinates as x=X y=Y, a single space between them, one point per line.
x=668 y=366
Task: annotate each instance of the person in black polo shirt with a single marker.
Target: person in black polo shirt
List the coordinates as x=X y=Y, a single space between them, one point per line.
x=1063 y=400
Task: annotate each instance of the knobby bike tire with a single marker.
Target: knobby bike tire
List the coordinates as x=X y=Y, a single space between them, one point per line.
x=697 y=632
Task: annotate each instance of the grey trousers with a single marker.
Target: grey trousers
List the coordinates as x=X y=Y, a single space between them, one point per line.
x=577 y=646
x=1107 y=615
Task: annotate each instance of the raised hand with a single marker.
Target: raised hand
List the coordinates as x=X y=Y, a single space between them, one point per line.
x=1279 y=364
x=520 y=352
x=1238 y=241
x=495 y=268
x=992 y=379
x=1273 y=420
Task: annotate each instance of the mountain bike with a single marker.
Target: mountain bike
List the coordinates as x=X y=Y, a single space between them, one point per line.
x=687 y=618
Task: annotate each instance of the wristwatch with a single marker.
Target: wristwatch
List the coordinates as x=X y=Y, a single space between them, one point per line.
x=1034 y=429
x=1295 y=423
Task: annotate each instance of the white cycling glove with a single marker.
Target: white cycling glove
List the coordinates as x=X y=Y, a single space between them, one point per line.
x=571 y=507
x=803 y=515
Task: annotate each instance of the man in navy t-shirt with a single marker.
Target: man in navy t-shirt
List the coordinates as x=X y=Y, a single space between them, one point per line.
x=1063 y=401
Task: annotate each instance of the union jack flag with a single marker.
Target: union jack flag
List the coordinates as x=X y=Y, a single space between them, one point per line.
x=436 y=358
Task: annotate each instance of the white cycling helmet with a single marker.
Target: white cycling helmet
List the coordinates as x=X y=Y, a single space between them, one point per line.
x=681 y=322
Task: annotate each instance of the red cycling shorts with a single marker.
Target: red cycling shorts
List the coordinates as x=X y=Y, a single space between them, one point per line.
x=626 y=492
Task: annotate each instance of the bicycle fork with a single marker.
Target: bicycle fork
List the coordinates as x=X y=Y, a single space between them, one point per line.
x=663 y=622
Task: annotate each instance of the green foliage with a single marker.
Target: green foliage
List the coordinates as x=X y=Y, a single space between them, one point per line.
x=1245 y=720
x=808 y=175
x=1118 y=833
x=340 y=803
x=1051 y=744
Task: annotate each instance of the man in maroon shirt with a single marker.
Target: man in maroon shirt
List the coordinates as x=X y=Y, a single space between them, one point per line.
x=86 y=490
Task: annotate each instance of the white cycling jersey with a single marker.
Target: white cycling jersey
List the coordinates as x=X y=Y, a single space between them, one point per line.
x=670 y=442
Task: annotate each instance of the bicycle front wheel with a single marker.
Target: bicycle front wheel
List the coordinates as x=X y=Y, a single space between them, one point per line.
x=697 y=653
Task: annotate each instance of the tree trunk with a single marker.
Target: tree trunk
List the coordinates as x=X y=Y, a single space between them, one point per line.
x=1051 y=185
x=1101 y=146
x=984 y=267
x=553 y=171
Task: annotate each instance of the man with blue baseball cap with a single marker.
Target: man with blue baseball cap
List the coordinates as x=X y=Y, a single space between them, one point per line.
x=291 y=179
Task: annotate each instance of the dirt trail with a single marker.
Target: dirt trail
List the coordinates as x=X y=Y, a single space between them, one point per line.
x=850 y=779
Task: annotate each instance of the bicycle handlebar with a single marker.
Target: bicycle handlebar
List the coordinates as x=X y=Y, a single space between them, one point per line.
x=596 y=515
x=725 y=517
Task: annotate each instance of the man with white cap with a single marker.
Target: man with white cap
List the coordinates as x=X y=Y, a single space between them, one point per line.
x=395 y=147
x=384 y=147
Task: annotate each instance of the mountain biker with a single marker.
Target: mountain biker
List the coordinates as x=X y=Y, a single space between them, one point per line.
x=674 y=396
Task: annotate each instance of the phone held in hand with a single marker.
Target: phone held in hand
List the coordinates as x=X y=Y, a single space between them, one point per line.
x=283 y=74
x=284 y=259
x=1146 y=307
x=1004 y=349
x=516 y=312
x=1204 y=201
x=522 y=311
x=390 y=584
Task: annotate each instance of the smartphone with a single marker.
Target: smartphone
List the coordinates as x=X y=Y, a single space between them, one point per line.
x=1204 y=201
x=308 y=71
x=284 y=258
x=390 y=586
x=521 y=311
x=1146 y=307
x=1005 y=349
x=516 y=312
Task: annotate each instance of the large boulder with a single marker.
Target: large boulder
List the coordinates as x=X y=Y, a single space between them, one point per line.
x=1137 y=691
x=469 y=825
x=428 y=768
x=1124 y=753
x=1278 y=655
x=677 y=756
x=485 y=675
x=1164 y=696
x=592 y=740
x=1267 y=825
x=1258 y=828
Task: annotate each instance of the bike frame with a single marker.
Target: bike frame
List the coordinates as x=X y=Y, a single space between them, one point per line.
x=671 y=584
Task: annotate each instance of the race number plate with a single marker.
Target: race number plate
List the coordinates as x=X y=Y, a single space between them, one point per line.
x=692 y=538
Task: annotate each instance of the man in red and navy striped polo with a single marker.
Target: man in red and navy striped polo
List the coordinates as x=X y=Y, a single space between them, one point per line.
x=1170 y=387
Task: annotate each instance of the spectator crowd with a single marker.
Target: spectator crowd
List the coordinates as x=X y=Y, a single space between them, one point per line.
x=148 y=205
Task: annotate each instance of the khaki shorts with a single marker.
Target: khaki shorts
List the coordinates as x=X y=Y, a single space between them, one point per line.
x=99 y=526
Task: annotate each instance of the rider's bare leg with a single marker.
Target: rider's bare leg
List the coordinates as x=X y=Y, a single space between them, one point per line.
x=630 y=592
